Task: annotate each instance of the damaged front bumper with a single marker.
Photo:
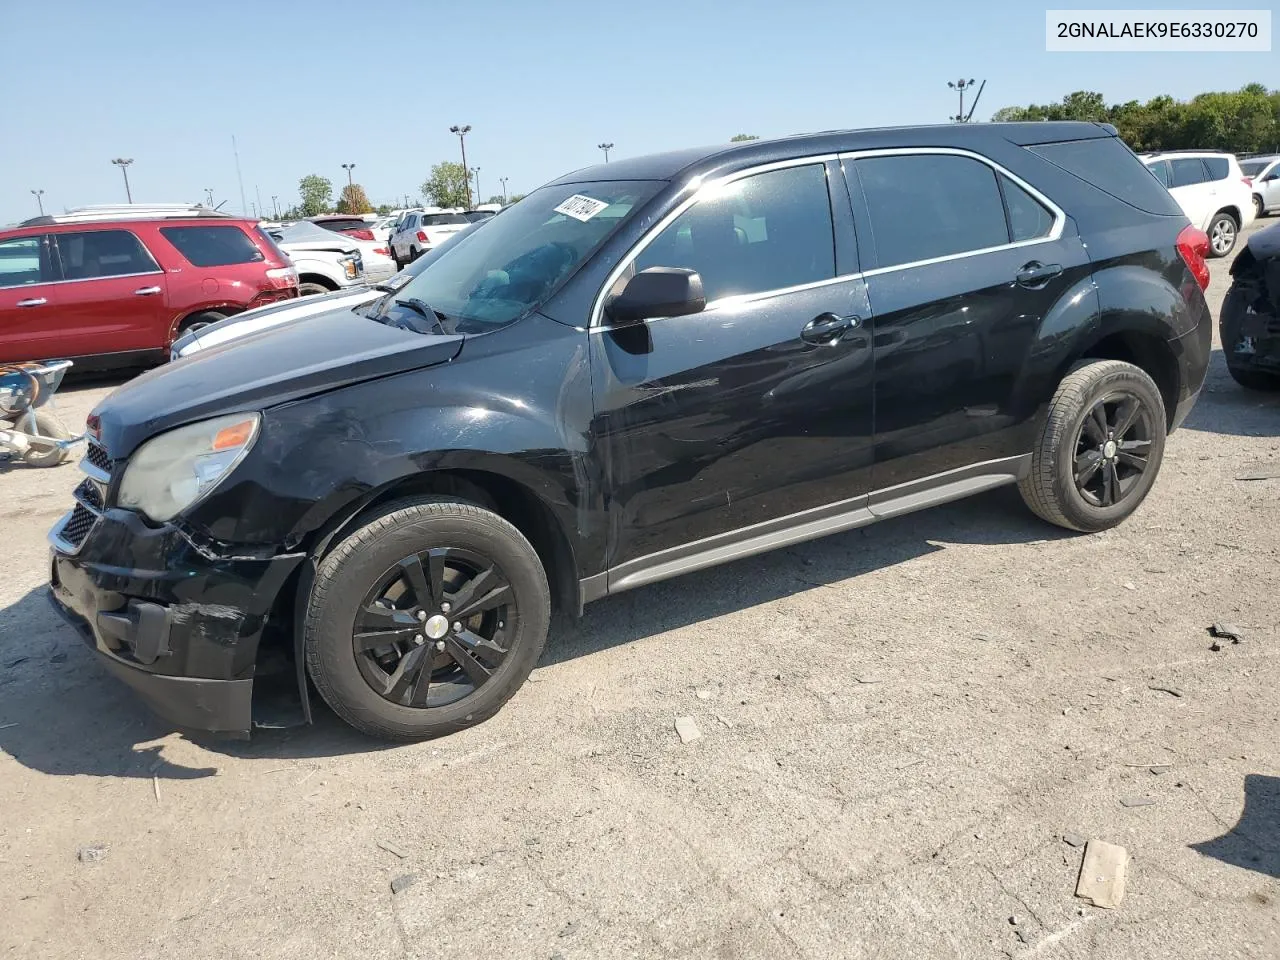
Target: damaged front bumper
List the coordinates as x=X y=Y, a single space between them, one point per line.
x=179 y=623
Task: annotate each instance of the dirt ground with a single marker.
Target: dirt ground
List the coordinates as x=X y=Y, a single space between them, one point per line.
x=899 y=724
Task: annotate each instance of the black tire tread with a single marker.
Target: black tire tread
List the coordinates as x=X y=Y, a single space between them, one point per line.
x=394 y=514
x=1038 y=486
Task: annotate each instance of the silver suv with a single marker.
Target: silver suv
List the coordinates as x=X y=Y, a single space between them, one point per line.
x=1263 y=174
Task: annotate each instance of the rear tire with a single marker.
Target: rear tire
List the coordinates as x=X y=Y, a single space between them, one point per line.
x=200 y=320
x=1084 y=470
x=48 y=424
x=1259 y=210
x=312 y=289
x=1223 y=233
x=366 y=623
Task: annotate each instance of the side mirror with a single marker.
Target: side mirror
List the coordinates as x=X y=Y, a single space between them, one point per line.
x=658 y=292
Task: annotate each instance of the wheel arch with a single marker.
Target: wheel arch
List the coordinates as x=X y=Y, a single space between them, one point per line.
x=320 y=279
x=1232 y=211
x=175 y=328
x=1146 y=351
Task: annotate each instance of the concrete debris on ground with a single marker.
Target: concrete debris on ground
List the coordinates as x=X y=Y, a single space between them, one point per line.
x=390 y=847
x=1259 y=471
x=1073 y=839
x=1102 y=874
x=688 y=730
x=403 y=882
x=1136 y=801
x=92 y=854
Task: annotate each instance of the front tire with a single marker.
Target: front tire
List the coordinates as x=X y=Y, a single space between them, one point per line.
x=1223 y=232
x=200 y=320
x=1100 y=448
x=426 y=619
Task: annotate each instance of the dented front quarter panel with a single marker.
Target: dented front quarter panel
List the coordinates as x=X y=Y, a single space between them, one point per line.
x=320 y=458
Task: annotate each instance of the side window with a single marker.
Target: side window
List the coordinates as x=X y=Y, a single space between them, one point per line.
x=924 y=206
x=211 y=246
x=1185 y=171
x=102 y=253
x=1028 y=218
x=1219 y=167
x=763 y=232
x=1160 y=169
x=22 y=262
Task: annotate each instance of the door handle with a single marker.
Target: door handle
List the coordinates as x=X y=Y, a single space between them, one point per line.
x=33 y=302
x=1037 y=274
x=827 y=328
x=145 y=291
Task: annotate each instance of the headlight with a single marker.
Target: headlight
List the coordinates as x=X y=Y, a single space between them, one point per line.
x=172 y=471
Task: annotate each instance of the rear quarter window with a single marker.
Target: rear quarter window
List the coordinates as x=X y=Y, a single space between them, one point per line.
x=213 y=246
x=1109 y=165
x=1219 y=167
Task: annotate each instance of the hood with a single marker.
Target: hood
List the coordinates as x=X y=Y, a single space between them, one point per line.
x=284 y=363
x=1265 y=244
x=307 y=236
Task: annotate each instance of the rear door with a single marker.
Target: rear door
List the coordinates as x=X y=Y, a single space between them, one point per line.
x=747 y=412
x=28 y=300
x=1190 y=186
x=965 y=264
x=111 y=298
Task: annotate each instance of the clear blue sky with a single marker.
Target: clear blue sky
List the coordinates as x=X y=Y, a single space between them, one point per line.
x=306 y=86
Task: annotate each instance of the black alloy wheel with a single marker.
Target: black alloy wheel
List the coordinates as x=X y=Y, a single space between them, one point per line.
x=435 y=627
x=1112 y=449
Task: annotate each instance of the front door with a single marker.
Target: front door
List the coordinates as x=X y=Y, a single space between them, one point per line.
x=967 y=263
x=112 y=295
x=757 y=408
x=27 y=300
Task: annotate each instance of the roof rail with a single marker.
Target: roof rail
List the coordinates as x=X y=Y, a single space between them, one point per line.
x=128 y=211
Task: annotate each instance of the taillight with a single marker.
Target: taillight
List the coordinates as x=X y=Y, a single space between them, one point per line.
x=281 y=278
x=383 y=251
x=1247 y=181
x=422 y=237
x=1193 y=247
x=360 y=234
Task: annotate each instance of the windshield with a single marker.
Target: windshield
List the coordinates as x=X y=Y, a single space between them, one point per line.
x=1251 y=168
x=498 y=274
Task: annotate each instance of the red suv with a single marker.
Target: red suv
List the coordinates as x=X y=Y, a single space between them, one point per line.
x=114 y=286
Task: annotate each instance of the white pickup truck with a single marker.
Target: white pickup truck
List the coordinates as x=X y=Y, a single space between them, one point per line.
x=326 y=261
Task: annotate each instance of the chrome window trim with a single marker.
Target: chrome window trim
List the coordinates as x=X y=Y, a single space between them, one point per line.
x=55 y=283
x=696 y=186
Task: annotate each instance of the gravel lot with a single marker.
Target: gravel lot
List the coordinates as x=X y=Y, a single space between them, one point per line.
x=898 y=726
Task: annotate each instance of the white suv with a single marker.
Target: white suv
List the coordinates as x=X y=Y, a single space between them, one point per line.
x=1212 y=191
x=1263 y=174
x=420 y=231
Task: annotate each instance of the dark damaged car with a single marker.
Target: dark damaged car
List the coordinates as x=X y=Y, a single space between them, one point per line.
x=640 y=370
x=1249 y=326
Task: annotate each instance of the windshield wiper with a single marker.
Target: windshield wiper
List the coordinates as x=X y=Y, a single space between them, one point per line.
x=426 y=311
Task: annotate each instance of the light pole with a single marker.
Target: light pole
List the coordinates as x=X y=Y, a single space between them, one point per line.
x=208 y=192
x=123 y=164
x=606 y=147
x=962 y=86
x=476 y=171
x=503 y=180
x=39 y=203
x=348 y=167
x=462 y=130
x=275 y=206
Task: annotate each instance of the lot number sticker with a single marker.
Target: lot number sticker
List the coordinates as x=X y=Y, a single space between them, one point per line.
x=581 y=208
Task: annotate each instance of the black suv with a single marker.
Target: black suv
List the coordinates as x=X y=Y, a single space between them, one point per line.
x=640 y=370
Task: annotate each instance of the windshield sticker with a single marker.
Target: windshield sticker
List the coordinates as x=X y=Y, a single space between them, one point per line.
x=581 y=208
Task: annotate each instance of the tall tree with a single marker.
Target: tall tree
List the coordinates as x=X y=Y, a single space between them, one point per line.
x=317 y=194
x=354 y=200
x=447 y=185
x=741 y=137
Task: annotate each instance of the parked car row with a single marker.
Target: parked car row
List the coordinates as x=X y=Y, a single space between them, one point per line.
x=642 y=369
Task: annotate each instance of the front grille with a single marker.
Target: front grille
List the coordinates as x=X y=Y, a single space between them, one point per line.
x=77 y=526
x=89 y=495
x=98 y=458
